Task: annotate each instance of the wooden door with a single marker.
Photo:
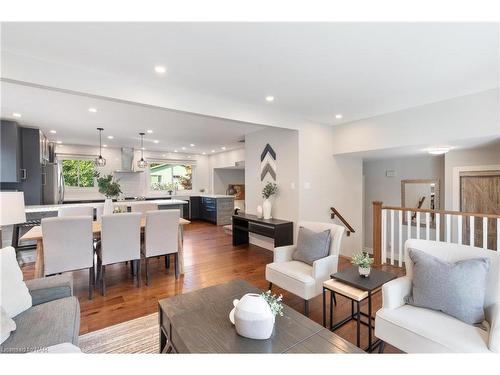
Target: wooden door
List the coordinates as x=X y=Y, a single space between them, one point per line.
x=480 y=192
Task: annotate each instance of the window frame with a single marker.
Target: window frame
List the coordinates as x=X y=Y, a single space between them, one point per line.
x=86 y=188
x=171 y=163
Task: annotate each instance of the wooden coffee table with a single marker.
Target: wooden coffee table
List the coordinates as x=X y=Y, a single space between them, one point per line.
x=198 y=322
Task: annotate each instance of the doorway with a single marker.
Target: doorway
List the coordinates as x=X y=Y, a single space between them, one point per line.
x=480 y=193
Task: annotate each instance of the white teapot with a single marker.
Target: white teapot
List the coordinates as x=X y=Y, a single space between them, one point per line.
x=252 y=317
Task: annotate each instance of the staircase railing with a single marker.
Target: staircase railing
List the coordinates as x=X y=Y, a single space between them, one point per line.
x=334 y=213
x=393 y=225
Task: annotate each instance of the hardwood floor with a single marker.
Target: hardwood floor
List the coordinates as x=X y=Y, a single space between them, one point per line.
x=210 y=259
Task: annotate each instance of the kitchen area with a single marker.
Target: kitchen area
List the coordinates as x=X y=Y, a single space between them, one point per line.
x=36 y=166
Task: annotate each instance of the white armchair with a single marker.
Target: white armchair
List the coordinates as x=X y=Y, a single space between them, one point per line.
x=300 y=278
x=419 y=330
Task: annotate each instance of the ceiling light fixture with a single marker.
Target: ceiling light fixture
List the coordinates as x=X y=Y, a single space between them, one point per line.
x=269 y=98
x=149 y=131
x=15 y=114
x=191 y=145
x=213 y=150
x=104 y=145
x=183 y=147
x=160 y=69
x=204 y=153
x=110 y=137
x=92 y=110
x=156 y=141
x=142 y=163
x=438 y=150
x=59 y=142
x=100 y=161
x=53 y=132
x=223 y=148
x=338 y=116
x=175 y=151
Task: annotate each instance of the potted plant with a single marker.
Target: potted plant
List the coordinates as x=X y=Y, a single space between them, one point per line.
x=269 y=190
x=364 y=262
x=110 y=188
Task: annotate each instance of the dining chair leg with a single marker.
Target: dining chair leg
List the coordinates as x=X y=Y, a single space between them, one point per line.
x=306 y=307
x=167 y=261
x=98 y=277
x=176 y=260
x=146 y=264
x=138 y=272
x=91 y=282
x=103 y=280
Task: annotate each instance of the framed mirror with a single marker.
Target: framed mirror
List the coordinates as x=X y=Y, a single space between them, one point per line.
x=420 y=193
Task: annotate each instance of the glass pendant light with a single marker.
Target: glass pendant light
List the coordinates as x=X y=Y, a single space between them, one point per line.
x=142 y=163
x=100 y=161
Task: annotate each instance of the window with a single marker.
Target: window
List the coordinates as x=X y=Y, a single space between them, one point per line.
x=78 y=173
x=164 y=176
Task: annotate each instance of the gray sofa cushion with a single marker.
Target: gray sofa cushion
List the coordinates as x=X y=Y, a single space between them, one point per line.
x=311 y=246
x=457 y=289
x=44 y=325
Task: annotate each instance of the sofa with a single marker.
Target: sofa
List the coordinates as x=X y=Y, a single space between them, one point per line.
x=53 y=321
x=420 y=330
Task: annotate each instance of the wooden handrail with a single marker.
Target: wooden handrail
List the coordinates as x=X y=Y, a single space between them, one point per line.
x=442 y=212
x=350 y=229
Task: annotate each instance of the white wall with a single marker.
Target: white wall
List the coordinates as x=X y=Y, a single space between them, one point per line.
x=378 y=187
x=223 y=160
x=224 y=177
x=465 y=117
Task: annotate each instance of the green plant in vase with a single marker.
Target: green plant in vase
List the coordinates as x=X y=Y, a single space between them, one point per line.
x=110 y=188
x=364 y=262
x=269 y=190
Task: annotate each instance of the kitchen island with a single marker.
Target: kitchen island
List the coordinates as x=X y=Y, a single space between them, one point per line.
x=126 y=203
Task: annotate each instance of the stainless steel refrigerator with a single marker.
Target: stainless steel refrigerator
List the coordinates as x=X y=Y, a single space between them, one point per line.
x=53 y=184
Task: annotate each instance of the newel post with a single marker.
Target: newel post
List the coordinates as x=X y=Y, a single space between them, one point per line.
x=377 y=232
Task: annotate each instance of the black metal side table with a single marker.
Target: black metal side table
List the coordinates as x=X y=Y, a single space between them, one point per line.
x=351 y=285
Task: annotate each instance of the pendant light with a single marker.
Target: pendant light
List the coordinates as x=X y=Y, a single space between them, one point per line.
x=100 y=161
x=142 y=163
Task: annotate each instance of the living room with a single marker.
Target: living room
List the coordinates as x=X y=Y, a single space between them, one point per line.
x=249 y=187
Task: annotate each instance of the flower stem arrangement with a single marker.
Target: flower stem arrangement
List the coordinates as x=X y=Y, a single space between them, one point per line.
x=274 y=302
x=269 y=190
x=108 y=186
x=364 y=262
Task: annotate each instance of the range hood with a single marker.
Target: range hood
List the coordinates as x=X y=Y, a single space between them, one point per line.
x=127 y=158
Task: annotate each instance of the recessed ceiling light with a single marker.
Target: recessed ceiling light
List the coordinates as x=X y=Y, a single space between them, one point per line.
x=156 y=141
x=338 y=116
x=269 y=98
x=223 y=148
x=204 y=153
x=175 y=151
x=104 y=145
x=143 y=148
x=15 y=114
x=438 y=150
x=59 y=142
x=183 y=147
x=160 y=69
x=149 y=131
x=110 y=137
x=213 y=150
x=192 y=145
x=163 y=155
x=53 y=132
x=93 y=110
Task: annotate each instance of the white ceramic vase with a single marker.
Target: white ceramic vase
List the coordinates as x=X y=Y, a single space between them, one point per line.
x=108 y=207
x=266 y=208
x=253 y=317
x=364 y=272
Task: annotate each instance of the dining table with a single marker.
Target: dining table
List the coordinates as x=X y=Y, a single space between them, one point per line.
x=36 y=234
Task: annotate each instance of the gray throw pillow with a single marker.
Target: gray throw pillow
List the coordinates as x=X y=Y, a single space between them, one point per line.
x=456 y=289
x=311 y=245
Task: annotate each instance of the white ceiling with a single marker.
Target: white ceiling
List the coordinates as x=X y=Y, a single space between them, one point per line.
x=314 y=70
x=68 y=115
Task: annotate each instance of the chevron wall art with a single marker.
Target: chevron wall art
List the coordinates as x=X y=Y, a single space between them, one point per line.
x=268 y=163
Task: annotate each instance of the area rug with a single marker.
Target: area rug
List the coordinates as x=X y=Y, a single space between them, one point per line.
x=137 y=336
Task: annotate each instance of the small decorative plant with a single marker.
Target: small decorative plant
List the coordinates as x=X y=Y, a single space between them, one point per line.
x=274 y=302
x=269 y=189
x=108 y=186
x=362 y=259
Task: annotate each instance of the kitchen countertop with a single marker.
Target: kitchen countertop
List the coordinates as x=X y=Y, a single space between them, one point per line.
x=55 y=207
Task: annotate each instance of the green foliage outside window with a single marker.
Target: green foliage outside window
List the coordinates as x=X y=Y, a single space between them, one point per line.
x=78 y=173
x=165 y=176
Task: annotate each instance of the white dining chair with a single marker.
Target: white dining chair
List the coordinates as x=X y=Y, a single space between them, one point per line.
x=161 y=237
x=68 y=246
x=99 y=210
x=75 y=211
x=143 y=208
x=120 y=242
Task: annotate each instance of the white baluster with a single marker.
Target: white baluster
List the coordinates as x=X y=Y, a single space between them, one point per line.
x=448 y=228
x=418 y=225
x=427 y=226
x=498 y=234
x=472 y=230
x=408 y=225
x=459 y=229
x=485 y=232
x=438 y=226
x=400 y=236
x=392 y=237
x=384 y=236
